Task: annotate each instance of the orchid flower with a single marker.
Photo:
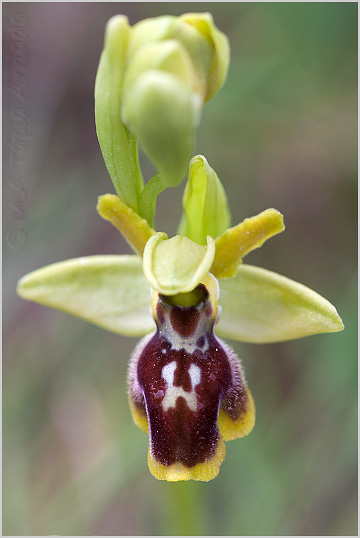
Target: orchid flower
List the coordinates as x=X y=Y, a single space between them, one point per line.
x=186 y=386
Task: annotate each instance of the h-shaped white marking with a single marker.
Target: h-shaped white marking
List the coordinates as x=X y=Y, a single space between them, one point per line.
x=172 y=393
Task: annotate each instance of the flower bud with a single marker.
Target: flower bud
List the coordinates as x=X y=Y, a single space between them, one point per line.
x=173 y=66
x=162 y=112
x=168 y=56
x=152 y=82
x=206 y=46
x=220 y=50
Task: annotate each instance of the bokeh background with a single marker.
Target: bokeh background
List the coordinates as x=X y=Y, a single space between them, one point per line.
x=282 y=133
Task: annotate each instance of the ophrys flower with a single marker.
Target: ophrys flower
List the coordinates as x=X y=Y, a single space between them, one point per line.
x=186 y=386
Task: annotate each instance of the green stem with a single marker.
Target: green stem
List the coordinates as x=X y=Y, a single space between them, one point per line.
x=136 y=170
x=183 y=509
x=147 y=204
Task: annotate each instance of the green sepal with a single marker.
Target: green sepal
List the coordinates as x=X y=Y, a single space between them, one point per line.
x=176 y=265
x=108 y=291
x=206 y=210
x=260 y=306
x=117 y=143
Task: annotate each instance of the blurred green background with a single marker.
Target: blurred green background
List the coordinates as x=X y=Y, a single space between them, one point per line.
x=282 y=133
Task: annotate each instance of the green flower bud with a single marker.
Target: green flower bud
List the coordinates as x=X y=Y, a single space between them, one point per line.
x=169 y=56
x=162 y=112
x=150 y=30
x=207 y=48
x=186 y=59
x=220 y=48
x=152 y=82
x=200 y=50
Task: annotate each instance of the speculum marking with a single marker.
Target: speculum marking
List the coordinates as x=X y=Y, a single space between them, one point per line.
x=172 y=392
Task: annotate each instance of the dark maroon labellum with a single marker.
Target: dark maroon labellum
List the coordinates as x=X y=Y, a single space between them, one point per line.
x=180 y=377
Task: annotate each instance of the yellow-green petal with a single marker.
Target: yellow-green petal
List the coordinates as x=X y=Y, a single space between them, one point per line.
x=109 y=291
x=176 y=265
x=238 y=241
x=135 y=229
x=260 y=306
x=206 y=210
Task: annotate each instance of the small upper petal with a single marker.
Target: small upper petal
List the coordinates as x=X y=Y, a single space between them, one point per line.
x=238 y=241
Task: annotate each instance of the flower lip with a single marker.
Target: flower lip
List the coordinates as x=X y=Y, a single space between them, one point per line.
x=179 y=379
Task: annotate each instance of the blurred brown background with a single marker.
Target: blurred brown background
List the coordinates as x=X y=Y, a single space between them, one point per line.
x=282 y=133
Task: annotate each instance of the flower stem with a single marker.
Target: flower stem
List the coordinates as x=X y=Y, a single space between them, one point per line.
x=183 y=509
x=152 y=189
